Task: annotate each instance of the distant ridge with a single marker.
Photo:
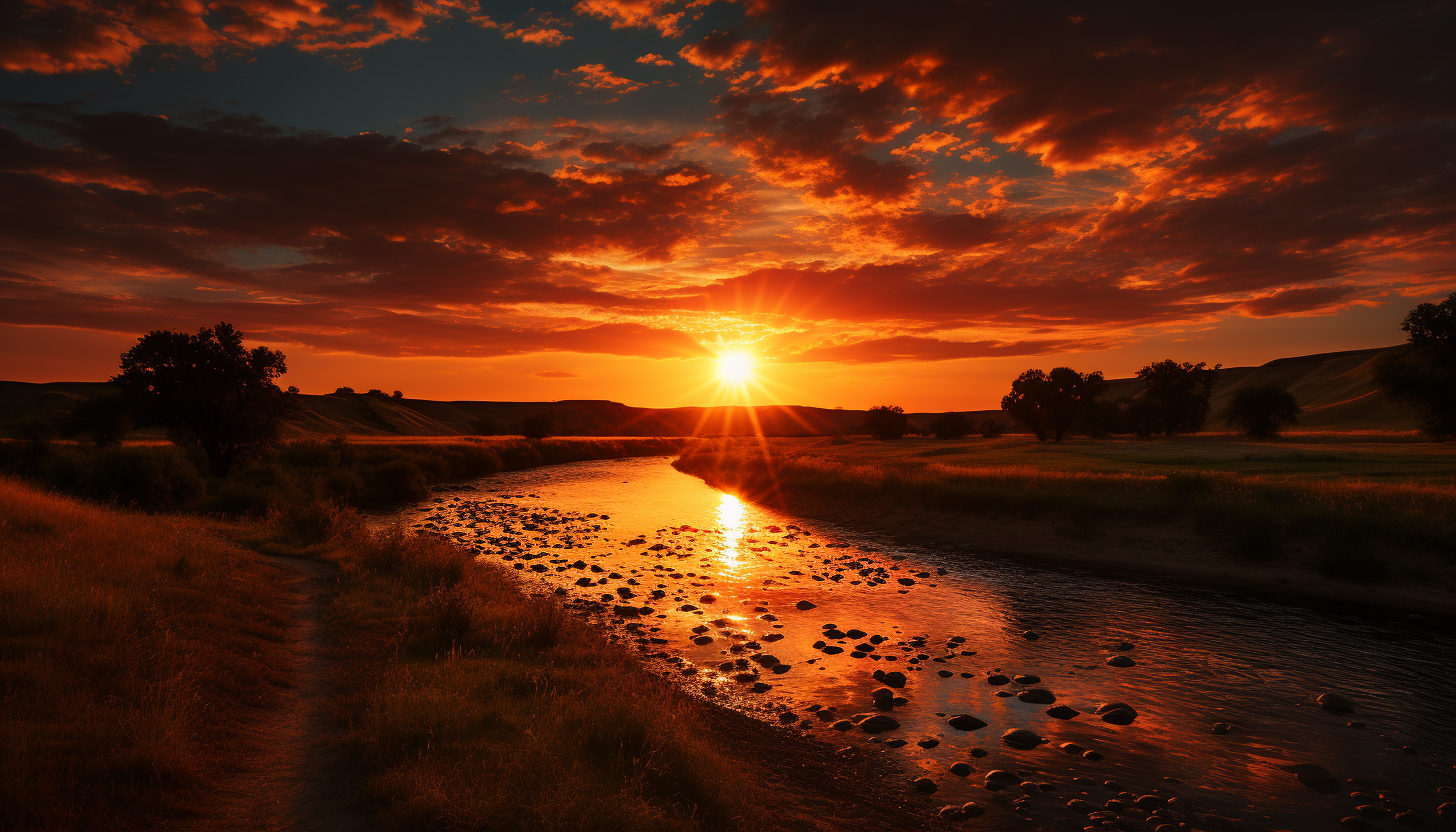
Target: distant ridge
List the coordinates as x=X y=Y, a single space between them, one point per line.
x=1336 y=389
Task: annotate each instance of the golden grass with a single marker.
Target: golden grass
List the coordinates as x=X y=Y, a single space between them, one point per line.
x=473 y=706
x=129 y=644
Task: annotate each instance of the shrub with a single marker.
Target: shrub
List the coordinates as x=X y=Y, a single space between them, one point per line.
x=1258 y=412
x=951 y=426
x=992 y=429
x=886 y=421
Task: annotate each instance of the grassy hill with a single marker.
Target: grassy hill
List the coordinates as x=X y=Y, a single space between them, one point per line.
x=1336 y=390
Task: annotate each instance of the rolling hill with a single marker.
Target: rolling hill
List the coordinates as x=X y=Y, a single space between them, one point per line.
x=1336 y=390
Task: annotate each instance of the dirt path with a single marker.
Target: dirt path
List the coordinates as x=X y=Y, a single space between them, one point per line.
x=287 y=777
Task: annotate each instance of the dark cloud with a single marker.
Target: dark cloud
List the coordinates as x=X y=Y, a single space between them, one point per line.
x=369 y=223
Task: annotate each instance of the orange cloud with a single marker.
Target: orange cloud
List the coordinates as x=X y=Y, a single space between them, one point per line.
x=598 y=77
x=654 y=59
x=635 y=13
x=546 y=36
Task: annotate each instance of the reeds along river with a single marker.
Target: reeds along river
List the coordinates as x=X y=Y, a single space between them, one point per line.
x=737 y=601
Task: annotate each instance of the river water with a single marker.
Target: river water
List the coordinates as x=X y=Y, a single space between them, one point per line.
x=734 y=582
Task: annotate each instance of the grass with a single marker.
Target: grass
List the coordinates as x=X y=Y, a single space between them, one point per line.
x=163 y=477
x=473 y=706
x=130 y=649
x=1354 y=504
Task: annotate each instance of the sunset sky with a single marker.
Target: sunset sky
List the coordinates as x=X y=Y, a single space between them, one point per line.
x=878 y=202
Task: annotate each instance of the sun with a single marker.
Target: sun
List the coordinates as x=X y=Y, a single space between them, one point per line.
x=735 y=367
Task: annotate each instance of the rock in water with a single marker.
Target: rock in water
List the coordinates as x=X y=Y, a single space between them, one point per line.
x=997 y=679
x=805 y=606
x=1314 y=777
x=961 y=769
x=1036 y=696
x=1222 y=728
x=924 y=785
x=883 y=697
x=875 y=723
x=1336 y=702
x=1120 y=661
x=894 y=679
x=999 y=779
x=1063 y=712
x=1117 y=713
x=965 y=722
x=1021 y=738
x=972 y=810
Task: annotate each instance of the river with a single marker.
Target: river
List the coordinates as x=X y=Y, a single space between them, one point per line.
x=732 y=619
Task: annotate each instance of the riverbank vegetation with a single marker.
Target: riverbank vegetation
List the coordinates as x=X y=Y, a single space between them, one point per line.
x=165 y=477
x=1359 y=511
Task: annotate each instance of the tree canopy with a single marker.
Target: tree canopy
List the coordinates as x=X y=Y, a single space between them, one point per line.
x=1261 y=411
x=887 y=421
x=1048 y=403
x=1175 y=397
x=1422 y=375
x=208 y=390
x=951 y=426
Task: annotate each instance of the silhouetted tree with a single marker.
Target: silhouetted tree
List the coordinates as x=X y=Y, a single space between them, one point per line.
x=1175 y=397
x=105 y=420
x=1260 y=411
x=539 y=426
x=1048 y=403
x=951 y=426
x=396 y=395
x=992 y=429
x=1102 y=418
x=1422 y=374
x=343 y=391
x=887 y=421
x=209 y=390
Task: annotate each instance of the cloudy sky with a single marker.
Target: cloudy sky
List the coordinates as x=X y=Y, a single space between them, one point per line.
x=882 y=202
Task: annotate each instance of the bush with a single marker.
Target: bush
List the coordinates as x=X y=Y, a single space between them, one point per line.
x=992 y=429
x=1259 y=412
x=886 y=422
x=951 y=426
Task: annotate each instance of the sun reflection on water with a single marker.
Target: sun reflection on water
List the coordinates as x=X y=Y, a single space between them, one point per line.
x=730 y=523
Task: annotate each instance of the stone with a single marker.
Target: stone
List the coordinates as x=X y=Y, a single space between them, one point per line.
x=894 y=679
x=930 y=742
x=949 y=813
x=896 y=743
x=1120 y=661
x=1071 y=748
x=997 y=679
x=1222 y=728
x=1021 y=738
x=1314 y=777
x=833 y=649
x=965 y=722
x=972 y=810
x=842 y=725
x=978 y=753
x=944 y=674
x=805 y=606
x=1410 y=820
x=1117 y=713
x=1036 y=696
x=627 y=611
x=1336 y=702
x=1081 y=806
x=924 y=785
x=1063 y=712
x=1031 y=635
x=1094 y=756
x=702 y=640
x=882 y=696
x=875 y=723
x=907 y=581
x=1026 y=679
x=1001 y=779
x=961 y=769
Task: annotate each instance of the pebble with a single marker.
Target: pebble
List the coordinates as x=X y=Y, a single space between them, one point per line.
x=965 y=722
x=1063 y=712
x=1336 y=702
x=1021 y=738
x=894 y=679
x=1036 y=696
x=1120 y=661
x=804 y=606
x=1222 y=727
x=972 y=809
x=1000 y=779
x=875 y=723
x=928 y=743
x=961 y=769
x=924 y=785
x=997 y=679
